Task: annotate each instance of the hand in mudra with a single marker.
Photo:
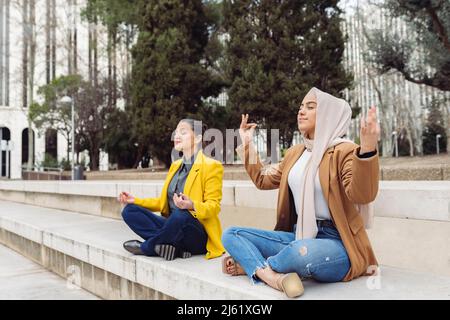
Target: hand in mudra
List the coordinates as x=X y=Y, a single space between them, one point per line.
x=126 y=198
x=246 y=130
x=370 y=131
x=182 y=201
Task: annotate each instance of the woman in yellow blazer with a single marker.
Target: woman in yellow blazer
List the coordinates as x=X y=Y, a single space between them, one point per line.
x=189 y=205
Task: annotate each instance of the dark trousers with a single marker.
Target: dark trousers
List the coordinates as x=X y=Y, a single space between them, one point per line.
x=180 y=229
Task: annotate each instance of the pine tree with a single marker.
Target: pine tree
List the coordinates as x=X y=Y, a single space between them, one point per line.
x=170 y=75
x=277 y=51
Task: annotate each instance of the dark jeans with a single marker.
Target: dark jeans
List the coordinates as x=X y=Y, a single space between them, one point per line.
x=180 y=229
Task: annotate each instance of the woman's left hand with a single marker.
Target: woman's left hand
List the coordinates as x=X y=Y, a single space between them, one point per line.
x=183 y=202
x=370 y=131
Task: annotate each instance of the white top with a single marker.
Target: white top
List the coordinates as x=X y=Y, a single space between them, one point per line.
x=294 y=177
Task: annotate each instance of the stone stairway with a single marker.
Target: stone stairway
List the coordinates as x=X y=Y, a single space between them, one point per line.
x=87 y=249
x=74 y=228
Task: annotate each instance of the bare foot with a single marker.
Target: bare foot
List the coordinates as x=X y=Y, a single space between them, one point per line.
x=232 y=267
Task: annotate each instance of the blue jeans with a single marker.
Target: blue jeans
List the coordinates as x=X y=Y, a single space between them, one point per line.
x=180 y=229
x=323 y=259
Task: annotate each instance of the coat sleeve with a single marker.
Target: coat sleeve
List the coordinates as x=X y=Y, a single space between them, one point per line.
x=360 y=177
x=152 y=204
x=212 y=195
x=264 y=177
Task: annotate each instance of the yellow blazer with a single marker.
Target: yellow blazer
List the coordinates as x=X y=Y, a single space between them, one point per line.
x=204 y=187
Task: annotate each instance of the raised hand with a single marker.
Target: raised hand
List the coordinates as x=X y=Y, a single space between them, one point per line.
x=370 y=131
x=125 y=198
x=246 y=130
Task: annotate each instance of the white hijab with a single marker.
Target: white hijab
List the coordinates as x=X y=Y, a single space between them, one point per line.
x=333 y=116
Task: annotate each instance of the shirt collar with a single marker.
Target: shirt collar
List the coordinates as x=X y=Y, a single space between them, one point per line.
x=189 y=163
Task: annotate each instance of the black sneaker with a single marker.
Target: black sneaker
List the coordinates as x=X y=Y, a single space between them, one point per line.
x=170 y=252
x=133 y=246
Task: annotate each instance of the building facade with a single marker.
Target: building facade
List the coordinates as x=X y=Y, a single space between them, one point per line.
x=402 y=104
x=60 y=39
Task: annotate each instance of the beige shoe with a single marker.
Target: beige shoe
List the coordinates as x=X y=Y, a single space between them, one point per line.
x=291 y=285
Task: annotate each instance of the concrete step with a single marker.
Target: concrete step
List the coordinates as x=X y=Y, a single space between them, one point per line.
x=22 y=279
x=411 y=224
x=88 y=249
x=425 y=200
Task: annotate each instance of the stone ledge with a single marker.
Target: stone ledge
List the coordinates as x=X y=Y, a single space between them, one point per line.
x=426 y=200
x=94 y=246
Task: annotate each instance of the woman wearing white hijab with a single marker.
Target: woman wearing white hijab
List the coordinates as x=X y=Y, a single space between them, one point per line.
x=326 y=187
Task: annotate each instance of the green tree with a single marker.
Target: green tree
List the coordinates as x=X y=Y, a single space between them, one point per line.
x=434 y=125
x=171 y=75
x=118 y=139
x=91 y=112
x=51 y=113
x=428 y=21
x=277 y=51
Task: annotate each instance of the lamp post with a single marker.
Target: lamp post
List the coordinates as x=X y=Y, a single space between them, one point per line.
x=69 y=100
x=437 y=143
x=394 y=133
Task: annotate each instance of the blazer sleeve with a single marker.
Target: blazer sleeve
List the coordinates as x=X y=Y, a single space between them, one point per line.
x=360 y=177
x=264 y=177
x=153 y=204
x=212 y=194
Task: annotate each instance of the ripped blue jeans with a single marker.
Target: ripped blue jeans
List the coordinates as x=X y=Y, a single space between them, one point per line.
x=323 y=259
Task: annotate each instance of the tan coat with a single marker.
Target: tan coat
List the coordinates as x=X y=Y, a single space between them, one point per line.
x=345 y=180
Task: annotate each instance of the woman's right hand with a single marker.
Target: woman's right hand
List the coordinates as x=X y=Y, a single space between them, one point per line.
x=126 y=198
x=246 y=130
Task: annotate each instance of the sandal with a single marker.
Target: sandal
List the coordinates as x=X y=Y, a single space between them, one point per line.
x=228 y=261
x=291 y=285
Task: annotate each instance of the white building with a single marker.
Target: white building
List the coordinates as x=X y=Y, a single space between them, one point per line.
x=404 y=101
x=62 y=48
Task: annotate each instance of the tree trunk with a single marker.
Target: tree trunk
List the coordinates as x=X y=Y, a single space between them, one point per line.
x=48 y=41
x=75 y=36
x=53 y=39
x=90 y=60
x=115 y=69
x=70 y=40
x=386 y=139
x=446 y=115
x=410 y=141
x=25 y=54
x=95 y=44
x=111 y=67
x=94 y=156
x=32 y=60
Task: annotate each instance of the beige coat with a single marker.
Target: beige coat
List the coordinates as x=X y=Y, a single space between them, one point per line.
x=345 y=180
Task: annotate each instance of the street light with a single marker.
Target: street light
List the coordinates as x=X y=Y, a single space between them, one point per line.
x=394 y=133
x=69 y=100
x=437 y=143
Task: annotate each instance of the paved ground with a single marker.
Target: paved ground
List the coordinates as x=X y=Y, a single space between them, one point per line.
x=22 y=279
